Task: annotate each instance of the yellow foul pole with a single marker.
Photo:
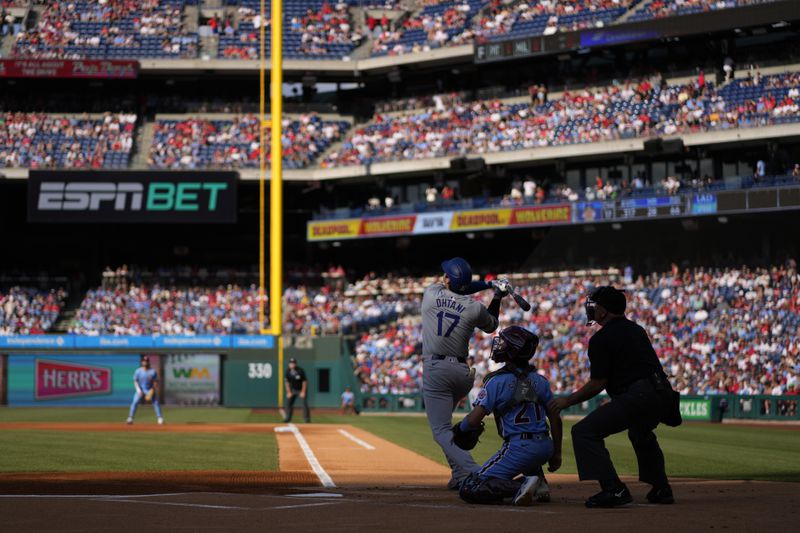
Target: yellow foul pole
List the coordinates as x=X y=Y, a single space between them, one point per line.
x=276 y=188
x=276 y=178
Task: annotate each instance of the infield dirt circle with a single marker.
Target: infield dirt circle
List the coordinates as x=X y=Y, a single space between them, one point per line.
x=374 y=485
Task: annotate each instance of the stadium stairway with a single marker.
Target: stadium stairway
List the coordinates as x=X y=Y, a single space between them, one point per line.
x=191 y=18
x=142 y=143
x=635 y=9
x=67 y=314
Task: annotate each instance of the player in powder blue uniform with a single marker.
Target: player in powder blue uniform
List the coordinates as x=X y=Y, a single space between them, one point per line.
x=145 y=379
x=518 y=397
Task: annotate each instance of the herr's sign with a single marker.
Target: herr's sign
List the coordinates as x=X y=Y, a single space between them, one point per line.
x=136 y=196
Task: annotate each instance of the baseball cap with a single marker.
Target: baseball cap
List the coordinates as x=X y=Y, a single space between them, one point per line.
x=610 y=298
x=145 y=358
x=292 y=360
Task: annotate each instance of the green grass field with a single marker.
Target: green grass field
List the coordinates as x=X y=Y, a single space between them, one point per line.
x=692 y=450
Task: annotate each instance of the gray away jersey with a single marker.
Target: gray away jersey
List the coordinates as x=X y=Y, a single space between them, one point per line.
x=448 y=320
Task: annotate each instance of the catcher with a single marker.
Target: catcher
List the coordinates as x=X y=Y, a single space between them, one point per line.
x=518 y=397
x=145 y=379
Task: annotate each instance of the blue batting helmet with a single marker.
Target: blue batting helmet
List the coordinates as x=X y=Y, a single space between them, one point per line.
x=459 y=272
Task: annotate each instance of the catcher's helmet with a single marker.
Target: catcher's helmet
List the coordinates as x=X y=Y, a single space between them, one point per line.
x=515 y=344
x=459 y=272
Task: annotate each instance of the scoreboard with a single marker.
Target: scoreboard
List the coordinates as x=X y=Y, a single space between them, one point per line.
x=694 y=204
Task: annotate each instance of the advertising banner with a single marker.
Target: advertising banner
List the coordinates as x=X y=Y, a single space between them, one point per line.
x=266 y=342
x=120 y=69
x=88 y=380
x=538 y=215
x=69 y=342
x=589 y=211
x=132 y=196
x=433 y=222
x=695 y=409
x=483 y=219
x=704 y=204
x=191 y=379
x=373 y=227
x=440 y=222
x=333 y=229
x=37 y=341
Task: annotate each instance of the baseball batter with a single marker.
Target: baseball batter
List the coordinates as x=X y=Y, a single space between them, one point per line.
x=145 y=379
x=449 y=317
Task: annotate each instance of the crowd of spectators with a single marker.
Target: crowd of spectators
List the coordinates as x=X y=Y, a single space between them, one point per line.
x=129 y=308
x=29 y=311
x=327 y=311
x=234 y=142
x=438 y=24
x=35 y=140
x=330 y=25
x=629 y=109
x=734 y=330
x=311 y=29
x=671 y=8
x=547 y=17
x=108 y=28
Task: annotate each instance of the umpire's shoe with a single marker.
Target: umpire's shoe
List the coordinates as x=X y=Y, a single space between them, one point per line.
x=662 y=495
x=605 y=499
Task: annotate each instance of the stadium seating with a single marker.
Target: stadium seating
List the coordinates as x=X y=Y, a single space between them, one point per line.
x=715 y=330
x=97 y=29
x=139 y=309
x=29 y=311
x=234 y=142
x=312 y=29
x=671 y=8
x=626 y=110
x=436 y=25
x=46 y=141
x=535 y=17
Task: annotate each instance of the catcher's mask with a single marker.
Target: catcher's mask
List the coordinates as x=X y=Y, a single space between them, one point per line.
x=514 y=344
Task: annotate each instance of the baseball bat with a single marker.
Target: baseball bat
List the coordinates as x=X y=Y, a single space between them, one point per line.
x=522 y=302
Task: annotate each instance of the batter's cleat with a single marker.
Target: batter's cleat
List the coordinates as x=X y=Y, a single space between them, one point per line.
x=160 y=420
x=129 y=421
x=606 y=499
x=527 y=492
x=662 y=495
x=543 y=492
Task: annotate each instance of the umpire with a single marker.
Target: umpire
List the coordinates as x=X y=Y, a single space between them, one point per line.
x=296 y=386
x=624 y=363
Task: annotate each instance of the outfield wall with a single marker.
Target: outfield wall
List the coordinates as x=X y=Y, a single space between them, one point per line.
x=234 y=371
x=223 y=370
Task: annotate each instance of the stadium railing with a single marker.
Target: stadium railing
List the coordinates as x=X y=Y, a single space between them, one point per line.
x=701 y=408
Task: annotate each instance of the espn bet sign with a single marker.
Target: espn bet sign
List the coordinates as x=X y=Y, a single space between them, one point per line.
x=159 y=196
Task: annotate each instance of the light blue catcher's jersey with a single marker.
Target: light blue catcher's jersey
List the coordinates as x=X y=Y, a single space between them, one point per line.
x=526 y=417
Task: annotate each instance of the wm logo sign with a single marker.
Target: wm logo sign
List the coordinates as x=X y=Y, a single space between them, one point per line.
x=190 y=373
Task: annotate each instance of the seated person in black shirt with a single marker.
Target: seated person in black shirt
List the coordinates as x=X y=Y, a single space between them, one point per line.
x=624 y=363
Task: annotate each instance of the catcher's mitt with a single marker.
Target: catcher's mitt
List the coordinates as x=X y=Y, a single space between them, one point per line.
x=149 y=396
x=466 y=440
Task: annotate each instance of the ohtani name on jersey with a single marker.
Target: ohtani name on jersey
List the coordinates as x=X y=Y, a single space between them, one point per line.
x=449 y=304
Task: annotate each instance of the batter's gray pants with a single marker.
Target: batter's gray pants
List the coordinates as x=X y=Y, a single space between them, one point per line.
x=444 y=383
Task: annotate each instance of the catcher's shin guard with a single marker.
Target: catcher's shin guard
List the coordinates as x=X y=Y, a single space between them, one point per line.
x=476 y=489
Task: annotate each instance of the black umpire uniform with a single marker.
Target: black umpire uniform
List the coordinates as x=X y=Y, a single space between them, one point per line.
x=623 y=362
x=297 y=386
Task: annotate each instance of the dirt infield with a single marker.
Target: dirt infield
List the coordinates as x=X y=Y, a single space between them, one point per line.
x=148 y=428
x=379 y=486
